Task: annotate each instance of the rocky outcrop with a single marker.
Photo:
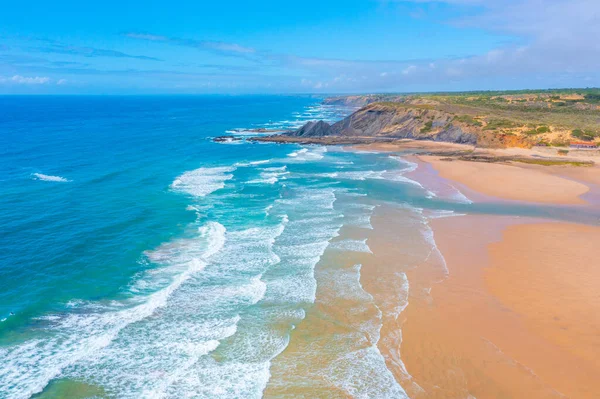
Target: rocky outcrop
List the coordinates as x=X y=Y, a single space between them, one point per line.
x=455 y=134
x=314 y=129
x=395 y=121
x=225 y=139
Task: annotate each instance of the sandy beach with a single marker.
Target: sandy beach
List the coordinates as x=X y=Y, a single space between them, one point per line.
x=512 y=182
x=516 y=313
x=516 y=317
x=407 y=145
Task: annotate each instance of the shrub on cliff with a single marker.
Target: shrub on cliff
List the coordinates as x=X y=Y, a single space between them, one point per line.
x=427 y=127
x=542 y=129
x=583 y=135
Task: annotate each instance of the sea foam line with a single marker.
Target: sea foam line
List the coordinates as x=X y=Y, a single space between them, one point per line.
x=203 y=181
x=29 y=367
x=362 y=372
x=43 y=177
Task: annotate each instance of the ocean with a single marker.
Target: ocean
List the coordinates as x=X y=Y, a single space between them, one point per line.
x=141 y=259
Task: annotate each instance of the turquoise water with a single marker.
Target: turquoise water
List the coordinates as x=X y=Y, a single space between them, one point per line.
x=140 y=259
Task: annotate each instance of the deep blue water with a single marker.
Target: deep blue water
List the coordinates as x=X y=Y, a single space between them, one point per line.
x=126 y=231
x=84 y=238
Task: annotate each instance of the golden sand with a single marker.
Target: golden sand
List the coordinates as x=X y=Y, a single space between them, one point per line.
x=406 y=145
x=517 y=316
x=510 y=182
x=511 y=310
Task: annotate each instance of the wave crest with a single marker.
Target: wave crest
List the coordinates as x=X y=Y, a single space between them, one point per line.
x=43 y=177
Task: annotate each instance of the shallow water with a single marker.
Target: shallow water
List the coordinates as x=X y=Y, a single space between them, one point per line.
x=140 y=259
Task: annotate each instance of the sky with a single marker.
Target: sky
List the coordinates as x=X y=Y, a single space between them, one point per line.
x=309 y=46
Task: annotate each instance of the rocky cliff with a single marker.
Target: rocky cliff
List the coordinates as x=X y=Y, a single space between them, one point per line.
x=397 y=121
x=313 y=129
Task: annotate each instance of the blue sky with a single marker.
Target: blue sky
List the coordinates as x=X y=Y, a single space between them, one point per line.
x=330 y=46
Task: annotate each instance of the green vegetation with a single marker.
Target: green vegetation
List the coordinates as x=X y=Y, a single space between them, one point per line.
x=550 y=162
x=584 y=135
x=539 y=130
x=469 y=120
x=494 y=124
x=427 y=127
x=534 y=161
x=563 y=109
x=542 y=129
x=593 y=97
x=559 y=143
x=494 y=115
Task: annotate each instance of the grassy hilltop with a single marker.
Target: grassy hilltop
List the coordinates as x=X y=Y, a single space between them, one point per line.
x=497 y=119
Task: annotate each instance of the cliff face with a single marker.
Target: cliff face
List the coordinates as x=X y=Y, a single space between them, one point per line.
x=314 y=129
x=395 y=120
x=486 y=119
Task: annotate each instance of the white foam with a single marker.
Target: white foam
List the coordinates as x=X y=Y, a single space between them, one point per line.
x=363 y=374
x=252 y=163
x=352 y=245
x=438 y=214
x=296 y=153
x=362 y=221
x=230 y=141
x=410 y=166
x=276 y=169
x=427 y=234
x=305 y=154
x=359 y=369
x=28 y=367
x=354 y=175
x=270 y=175
x=203 y=181
x=458 y=196
x=42 y=177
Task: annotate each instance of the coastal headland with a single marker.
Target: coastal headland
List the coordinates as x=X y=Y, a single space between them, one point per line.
x=511 y=309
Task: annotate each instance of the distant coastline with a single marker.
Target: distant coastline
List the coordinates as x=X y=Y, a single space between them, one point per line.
x=554 y=120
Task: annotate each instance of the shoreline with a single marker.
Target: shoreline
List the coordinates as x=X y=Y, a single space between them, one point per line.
x=497 y=175
x=510 y=182
x=516 y=315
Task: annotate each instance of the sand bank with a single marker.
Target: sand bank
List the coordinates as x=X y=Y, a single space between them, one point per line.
x=412 y=145
x=518 y=315
x=511 y=182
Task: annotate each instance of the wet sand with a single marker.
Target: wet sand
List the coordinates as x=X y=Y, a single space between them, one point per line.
x=510 y=310
x=348 y=344
x=517 y=316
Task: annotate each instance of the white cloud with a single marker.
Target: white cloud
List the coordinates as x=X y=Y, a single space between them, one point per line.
x=30 y=80
x=24 y=80
x=224 y=48
x=557 y=43
x=409 y=70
